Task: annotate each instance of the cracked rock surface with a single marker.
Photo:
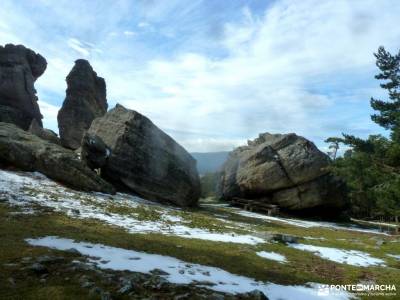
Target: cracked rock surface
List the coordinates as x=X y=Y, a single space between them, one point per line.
x=283 y=169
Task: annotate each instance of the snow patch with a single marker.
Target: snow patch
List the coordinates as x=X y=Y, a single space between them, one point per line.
x=17 y=189
x=306 y=224
x=272 y=256
x=394 y=256
x=181 y=272
x=350 y=257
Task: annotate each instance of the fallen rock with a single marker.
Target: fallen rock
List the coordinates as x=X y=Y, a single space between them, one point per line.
x=283 y=169
x=85 y=101
x=253 y=295
x=45 y=134
x=94 y=151
x=145 y=159
x=19 y=69
x=27 y=152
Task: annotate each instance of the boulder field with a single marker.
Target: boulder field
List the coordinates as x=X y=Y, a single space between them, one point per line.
x=122 y=150
x=283 y=169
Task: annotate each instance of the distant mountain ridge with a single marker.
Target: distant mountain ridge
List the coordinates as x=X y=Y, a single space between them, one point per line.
x=209 y=161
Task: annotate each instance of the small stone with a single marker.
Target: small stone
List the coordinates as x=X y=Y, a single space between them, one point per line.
x=255 y=295
x=75 y=211
x=87 y=284
x=216 y=296
x=128 y=287
x=11 y=281
x=158 y=272
x=285 y=238
x=73 y=250
x=48 y=259
x=105 y=296
x=38 y=268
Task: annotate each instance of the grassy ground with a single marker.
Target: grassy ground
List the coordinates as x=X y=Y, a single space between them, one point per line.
x=241 y=259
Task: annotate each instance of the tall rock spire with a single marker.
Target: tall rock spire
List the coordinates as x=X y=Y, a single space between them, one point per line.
x=85 y=101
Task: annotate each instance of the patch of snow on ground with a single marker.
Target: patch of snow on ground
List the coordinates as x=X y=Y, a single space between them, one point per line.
x=181 y=272
x=394 y=256
x=350 y=257
x=272 y=256
x=15 y=187
x=304 y=223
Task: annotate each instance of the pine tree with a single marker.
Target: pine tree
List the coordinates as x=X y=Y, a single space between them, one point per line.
x=388 y=112
x=372 y=167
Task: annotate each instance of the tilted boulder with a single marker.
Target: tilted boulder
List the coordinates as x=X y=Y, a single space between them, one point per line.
x=27 y=152
x=283 y=169
x=145 y=159
x=43 y=133
x=85 y=101
x=19 y=69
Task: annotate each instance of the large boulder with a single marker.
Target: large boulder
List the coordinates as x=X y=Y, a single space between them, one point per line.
x=85 y=101
x=27 y=152
x=283 y=169
x=19 y=69
x=145 y=159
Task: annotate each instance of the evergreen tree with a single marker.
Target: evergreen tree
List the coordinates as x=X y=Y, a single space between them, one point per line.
x=388 y=112
x=372 y=167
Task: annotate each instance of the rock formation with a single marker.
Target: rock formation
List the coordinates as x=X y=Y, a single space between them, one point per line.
x=85 y=101
x=145 y=159
x=283 y=169
x=43 y=133
x=27 y=152
x=19 y=69
x=94 y=152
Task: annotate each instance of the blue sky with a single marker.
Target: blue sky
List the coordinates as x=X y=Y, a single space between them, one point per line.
x=215 y=73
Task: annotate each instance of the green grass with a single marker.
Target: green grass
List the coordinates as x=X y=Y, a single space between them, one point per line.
x=302 y=267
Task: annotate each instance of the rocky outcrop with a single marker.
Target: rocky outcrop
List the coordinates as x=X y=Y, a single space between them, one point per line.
x=94 y=152
x=19 y=69
x=27 y=152
x=145 y=159
x=283 y=169
x=43 y=133
x=85 y=101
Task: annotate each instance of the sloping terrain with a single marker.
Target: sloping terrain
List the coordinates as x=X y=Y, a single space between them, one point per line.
x=62 y=244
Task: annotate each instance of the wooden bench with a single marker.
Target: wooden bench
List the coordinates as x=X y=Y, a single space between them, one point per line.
x=256 y=205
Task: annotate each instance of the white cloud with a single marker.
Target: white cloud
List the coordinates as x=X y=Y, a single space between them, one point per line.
x=299 y=66
x=49 y=113
x=129 y=33
x=143 y=24
x=78 y=47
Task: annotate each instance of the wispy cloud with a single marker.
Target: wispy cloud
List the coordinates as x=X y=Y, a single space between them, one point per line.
x=214 y=76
